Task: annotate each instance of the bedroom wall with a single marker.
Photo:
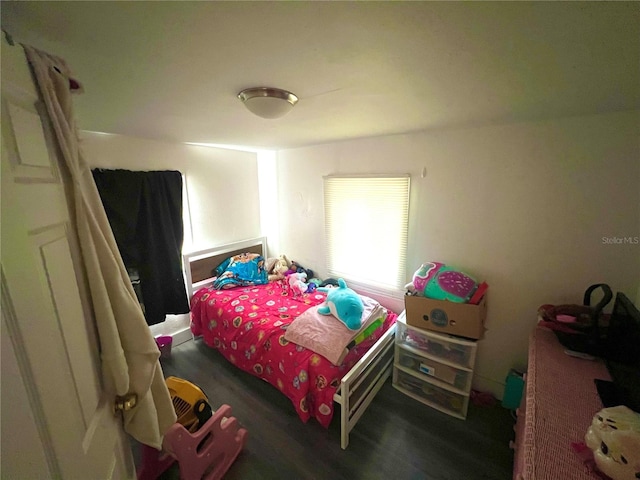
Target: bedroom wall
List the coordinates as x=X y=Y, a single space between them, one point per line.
x=527 y=207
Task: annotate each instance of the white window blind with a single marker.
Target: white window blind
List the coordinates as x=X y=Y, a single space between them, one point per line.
x=366 y=225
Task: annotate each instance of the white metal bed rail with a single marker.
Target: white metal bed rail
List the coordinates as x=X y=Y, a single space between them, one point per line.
x=382 y=351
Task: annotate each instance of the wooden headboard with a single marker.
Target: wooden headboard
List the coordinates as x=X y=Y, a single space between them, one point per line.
x=198 y=265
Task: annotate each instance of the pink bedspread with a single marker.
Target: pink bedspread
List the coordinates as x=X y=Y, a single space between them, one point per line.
x=561 y=400
x=247 y=325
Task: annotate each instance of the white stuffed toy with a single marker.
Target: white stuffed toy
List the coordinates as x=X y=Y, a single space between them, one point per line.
x=297 y=283
x=276 y=267
x=614 y=437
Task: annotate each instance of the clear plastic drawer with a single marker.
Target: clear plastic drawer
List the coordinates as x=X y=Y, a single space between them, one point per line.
x=450 y=350
x=453 y=376
x=422 y=390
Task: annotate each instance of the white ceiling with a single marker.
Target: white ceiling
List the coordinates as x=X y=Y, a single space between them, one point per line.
x=171 y=70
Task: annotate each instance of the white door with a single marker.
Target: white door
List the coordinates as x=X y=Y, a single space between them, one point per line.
x=56 y=420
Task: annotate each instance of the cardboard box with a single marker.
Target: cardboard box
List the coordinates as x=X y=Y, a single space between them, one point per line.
x=462 y=319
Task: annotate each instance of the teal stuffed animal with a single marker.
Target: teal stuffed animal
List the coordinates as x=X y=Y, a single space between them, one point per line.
x=344 y=304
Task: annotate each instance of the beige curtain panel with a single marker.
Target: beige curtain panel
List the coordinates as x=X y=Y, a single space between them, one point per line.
x=128 y=350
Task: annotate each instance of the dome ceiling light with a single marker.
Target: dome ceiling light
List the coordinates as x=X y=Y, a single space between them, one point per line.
x=268 y=102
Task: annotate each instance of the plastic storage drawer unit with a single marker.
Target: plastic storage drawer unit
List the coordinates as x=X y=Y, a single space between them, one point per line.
x=433 y=368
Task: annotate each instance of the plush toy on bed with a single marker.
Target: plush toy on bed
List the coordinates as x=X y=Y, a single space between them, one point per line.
x=276 y=267
x=344 y=304
x=295 y=267
x=313 y=283
x=297 y=283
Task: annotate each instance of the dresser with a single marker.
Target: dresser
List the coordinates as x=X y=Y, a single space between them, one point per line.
x=559 y=403
x=434 y=368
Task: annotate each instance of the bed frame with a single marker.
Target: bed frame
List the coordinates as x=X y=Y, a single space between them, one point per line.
x=359 y=385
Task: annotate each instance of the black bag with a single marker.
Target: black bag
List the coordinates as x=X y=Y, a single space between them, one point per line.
x=587 y=333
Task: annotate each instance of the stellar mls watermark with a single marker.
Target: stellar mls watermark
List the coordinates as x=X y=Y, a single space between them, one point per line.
x=621 y=240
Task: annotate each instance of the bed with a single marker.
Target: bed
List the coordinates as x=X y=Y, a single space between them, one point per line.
x=247 y=324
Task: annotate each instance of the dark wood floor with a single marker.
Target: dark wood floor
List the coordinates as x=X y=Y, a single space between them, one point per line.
x=397 y=438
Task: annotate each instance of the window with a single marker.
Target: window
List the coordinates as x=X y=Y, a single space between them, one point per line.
x=366 y=225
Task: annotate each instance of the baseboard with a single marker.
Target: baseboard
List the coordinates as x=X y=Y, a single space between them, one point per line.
x=484 y=384
x=181 y=336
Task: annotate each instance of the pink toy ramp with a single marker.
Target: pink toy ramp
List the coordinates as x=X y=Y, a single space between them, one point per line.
x=204 y=455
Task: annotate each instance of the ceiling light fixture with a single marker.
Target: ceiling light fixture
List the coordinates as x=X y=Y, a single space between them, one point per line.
x=268 y=102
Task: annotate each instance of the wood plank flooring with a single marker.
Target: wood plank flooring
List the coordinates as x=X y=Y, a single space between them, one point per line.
x=397 y=438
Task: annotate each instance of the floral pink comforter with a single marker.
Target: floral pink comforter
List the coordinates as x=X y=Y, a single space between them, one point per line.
x=247 y=325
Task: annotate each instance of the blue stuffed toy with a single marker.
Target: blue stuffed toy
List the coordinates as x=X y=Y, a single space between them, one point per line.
x=344 y=304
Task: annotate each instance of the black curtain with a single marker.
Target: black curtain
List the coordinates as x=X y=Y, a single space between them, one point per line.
x=145 y=213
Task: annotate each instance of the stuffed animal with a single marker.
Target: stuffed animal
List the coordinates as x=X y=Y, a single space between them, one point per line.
x=440 y=282
x=278 y=268
x=297 y=283
x=313 y=284
x=295 y=267
x=344 y=304
x=330 y=283
x=614 y=437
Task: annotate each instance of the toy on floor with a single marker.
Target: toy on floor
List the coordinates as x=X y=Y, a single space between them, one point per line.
x=344 y=304
x=440 y=282
x=185 y=395
x=206 y=452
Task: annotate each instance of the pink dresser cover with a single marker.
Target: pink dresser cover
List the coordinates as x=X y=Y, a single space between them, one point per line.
x=561 y=399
